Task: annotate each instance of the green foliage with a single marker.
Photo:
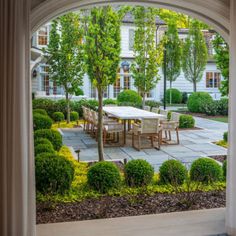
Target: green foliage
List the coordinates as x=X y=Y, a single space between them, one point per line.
x=198 y=100
x=45 y=104
x=61 y=106
x=195 y=55
x=104 y=176
x=65 y=54
x=223 y=106
x=186 y=121
x=58 y=116
x=43 y=148
x=130 y=97
x=74 y=116
x=173 y=172
x=225 y=136
x=40 y=111
x=52 y=135
x=175 y=95
x=41 y=121
x=206 y=170
x=92 y=104
x=79 y=92
x=103 y=47
x=224 y=167
x=54 y=174
x=110 y=101
x=152 y=103
x=172 y=45
x=43 y=141
x=222 y=61
x=210 y=108
x=147 y=56
x=169 y=115
x=138 y=173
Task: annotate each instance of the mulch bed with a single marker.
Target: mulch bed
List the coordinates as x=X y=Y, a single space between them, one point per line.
x=201 y=115
x=110 y=207
x=220 y=158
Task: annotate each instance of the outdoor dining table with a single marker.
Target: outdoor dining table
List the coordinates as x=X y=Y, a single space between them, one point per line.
x=127 y=113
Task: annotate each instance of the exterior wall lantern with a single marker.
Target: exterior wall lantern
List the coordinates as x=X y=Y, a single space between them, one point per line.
x=125 y=66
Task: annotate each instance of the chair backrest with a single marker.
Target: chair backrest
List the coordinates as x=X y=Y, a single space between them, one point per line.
x=85 y=112
x=156 y=110
x=149 y=126
x=164 y=112
x=175 y=116
x=94 y=117
x=147 y=108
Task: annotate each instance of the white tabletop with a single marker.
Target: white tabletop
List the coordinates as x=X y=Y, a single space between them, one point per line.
x=130 y=113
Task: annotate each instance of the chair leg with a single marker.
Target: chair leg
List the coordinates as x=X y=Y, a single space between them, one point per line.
x=133 y=140
x=152 y=143
x=177 y=135
x=84 y=124
x=139 y=142
x=169 y=135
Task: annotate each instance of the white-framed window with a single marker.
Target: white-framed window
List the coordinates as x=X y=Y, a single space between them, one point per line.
x=213 y=79
x=131 y=39
x=42 y=36
x=93 y=93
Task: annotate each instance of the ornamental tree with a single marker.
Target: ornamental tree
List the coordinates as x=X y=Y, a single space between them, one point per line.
x=173 y=49
x=103 y=55
x=147 y=57
x=222 y=61
x=65 y=55
x=195 y=55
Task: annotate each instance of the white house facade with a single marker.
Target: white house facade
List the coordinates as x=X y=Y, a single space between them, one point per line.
x=43 y=87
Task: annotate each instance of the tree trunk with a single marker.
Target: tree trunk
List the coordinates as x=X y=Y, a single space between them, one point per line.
x=170 y=92
x=194 y=86
x=144 y=99
x=100 y=125
x=68 y=108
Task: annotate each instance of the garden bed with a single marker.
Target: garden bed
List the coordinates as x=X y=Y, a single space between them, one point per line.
x=142 y=204
x=220 y=158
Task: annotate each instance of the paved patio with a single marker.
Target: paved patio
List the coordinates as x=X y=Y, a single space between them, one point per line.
x=193 y=144
x=191 y=223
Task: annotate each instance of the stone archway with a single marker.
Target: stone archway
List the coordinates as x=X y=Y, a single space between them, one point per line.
x=18 y=19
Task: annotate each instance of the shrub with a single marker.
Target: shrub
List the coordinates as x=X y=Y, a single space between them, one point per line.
x=52 y=135
x=210 y=108
x=77 y=106
x=79 y=92
x=198 y=100
x=206 y=170
x=41 y=121
x=186 y=121
x=224 y=167
x=42 y=141
x=74 y=116
x=103 y=176
x=58 y=116
x=138 y=173
x=61 y=106
x=173 y=172
x=43 y=148
x=176 y=96
x=54 y=174
x=92 y=104
x=169 y=115
x=130 y=97
x=47 y=104
x=40 y=111
x=223 y=106
x=184 y=97
x=225 y=136
x=152 y=104
x=109 y=101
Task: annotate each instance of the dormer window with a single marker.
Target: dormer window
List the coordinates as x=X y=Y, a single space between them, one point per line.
x=43 y=36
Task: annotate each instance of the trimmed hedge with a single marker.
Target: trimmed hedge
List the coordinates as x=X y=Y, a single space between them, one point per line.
x=186 y=121
x=184 y=97
x=46 y=104
x=223 y=106
x=79 y=92
x=224 y=168
x=109 y=101
x=42 y=141
x=40 y=111
x=225 y=136
x=173 y=172
x=41 y=121
x=43 y=148
x=74 y=116
x=138 y=173
x=176 y=96
x=103 y=176
x=129 y=97
x=152 y=104
x=58 y=116
x=54 y=174
x=52 y=135
x=206 y=170
x=198 y=101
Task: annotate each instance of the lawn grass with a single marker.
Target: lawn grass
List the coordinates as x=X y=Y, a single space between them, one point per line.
x=223 y=119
